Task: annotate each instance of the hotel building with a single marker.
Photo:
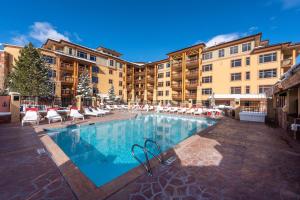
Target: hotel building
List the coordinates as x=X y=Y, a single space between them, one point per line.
x=240 y=70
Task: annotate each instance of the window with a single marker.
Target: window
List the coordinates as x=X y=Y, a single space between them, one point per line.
x=95 y=69
x=221 y=53
x=160 y=84
x=247 y=90
x=206 y=91
x=167 y=74
x=207 y=68
x=236 y=76
x=268 y=73
x=235 y=90
x=207 y=56
x=120 y=92
x=111 y=63
x=270 y=57
x=49 y=59
x=70 y=51
x=234 y=49
x=160 y=75
x=121 y=66
x=120 y=83
x=246 y=47
x=207 y=79
x=168 y=65
x=94 y=79
x=93 y=58
x=263 y=88
x=160 y=66
x=160 y=93
x=51 y=73
x=168 y=83
x=110 y=81
x=81 y=54
x=248 y=61
x=167 y=92
x=120 y=74
x=110 y=71
x=247 y=76
x=236 y=63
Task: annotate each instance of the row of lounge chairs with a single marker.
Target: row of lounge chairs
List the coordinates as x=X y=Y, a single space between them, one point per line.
x=192 y=111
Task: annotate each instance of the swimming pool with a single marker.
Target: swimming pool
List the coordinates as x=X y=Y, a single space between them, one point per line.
x=102 y=151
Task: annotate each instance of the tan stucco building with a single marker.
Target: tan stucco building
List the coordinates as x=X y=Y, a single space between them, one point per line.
x=240 y=70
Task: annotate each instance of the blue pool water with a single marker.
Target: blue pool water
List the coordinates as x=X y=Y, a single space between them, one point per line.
x=102 y=151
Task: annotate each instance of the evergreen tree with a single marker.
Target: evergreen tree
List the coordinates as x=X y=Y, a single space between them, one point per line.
x=30 y=74
x=84 y=84
x=111 y=93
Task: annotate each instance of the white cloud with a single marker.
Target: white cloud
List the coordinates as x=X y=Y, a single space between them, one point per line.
x=20 y=40
x=41 y=31
x=222 y=38
x=288 y=4
x=76 y=36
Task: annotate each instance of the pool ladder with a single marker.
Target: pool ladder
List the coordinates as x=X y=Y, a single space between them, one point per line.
x=146 y=164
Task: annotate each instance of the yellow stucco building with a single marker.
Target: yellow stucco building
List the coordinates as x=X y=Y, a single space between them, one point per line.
x=236 y=71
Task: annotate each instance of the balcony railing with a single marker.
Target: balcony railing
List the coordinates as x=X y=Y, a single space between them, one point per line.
x=177 y=66
x=287 y=62
x=140 y=81
x=150 y=72
x=67 y=79
x=66 y=66
x=192 y=63
x=150 y=87
x=192 y=75
x=191 y=96
x=177 y=97
x=191 y=85
x=150 y=80
x=176 y=87
x=177 y=76
x=136 y=74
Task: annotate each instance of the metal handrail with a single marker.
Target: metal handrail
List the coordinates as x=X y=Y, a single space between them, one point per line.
x=145 y=165
x=161 y=160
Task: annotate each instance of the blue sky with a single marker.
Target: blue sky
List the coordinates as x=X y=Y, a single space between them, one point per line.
x=147 y=30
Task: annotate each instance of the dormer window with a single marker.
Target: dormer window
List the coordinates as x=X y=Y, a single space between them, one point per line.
x=93 y=58
x=82 y=54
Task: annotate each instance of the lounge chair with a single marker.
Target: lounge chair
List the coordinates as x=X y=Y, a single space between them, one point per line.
x=109 y=107
x=181 y=110
x=31 y=116
x=151 y=107
x=190 y=111
x=52 y=115
x=146 y=108
x=198 y=111
x=75 y=114
x=159 y=109
x=90 y=112
x=173 y=110
x=167 y=109
x=103 y=111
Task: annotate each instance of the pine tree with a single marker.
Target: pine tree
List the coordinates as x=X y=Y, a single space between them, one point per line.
x=111 y=93
x=84 y=85
x=30 y=74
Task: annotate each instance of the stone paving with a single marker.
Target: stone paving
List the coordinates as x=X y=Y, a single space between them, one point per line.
x=233 y=160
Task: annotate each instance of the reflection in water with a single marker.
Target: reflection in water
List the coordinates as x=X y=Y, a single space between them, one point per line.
x=103 y=151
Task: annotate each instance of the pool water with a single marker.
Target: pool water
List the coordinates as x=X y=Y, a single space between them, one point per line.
x=102 y=151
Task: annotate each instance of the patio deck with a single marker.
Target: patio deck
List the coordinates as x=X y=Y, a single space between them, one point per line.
x=233 y=160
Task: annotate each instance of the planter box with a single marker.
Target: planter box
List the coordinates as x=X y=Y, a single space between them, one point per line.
x=252 y=116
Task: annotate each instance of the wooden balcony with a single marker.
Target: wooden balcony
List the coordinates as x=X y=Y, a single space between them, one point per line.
x=150 y=80
x=177 y=76
x=137 y=74
x=149 y=97
x=140 y=88
x=177 y=66
x=287 y=62
x=150 y=72
x=150 y=87
x=177 y=87
x=192 y=75
x=129 y=87
x=142 y=81
x=191 y=96
x=66 y=67
x=177 y=97
x=191 y=85
x=192 y=64
x=67 y=79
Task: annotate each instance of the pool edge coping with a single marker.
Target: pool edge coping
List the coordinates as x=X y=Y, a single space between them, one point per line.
x=84 y=188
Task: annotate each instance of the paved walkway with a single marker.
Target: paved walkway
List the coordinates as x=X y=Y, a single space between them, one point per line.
x=234 y=160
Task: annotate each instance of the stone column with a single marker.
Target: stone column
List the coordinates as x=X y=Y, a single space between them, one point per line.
x=15 y=106
x=79 y=102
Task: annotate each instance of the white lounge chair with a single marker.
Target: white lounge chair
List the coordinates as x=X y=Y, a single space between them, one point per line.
x=190 y=111
x=173 y=110
x=181 y=110
x=159 y=109
x=75 y=114
x=167 y=109
x=103 y=111
x=146 y=108
x=31 y=116
x=52 y=115
x=198 y=111
x=109 y=107
x=151 y=107
x=89 y=112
